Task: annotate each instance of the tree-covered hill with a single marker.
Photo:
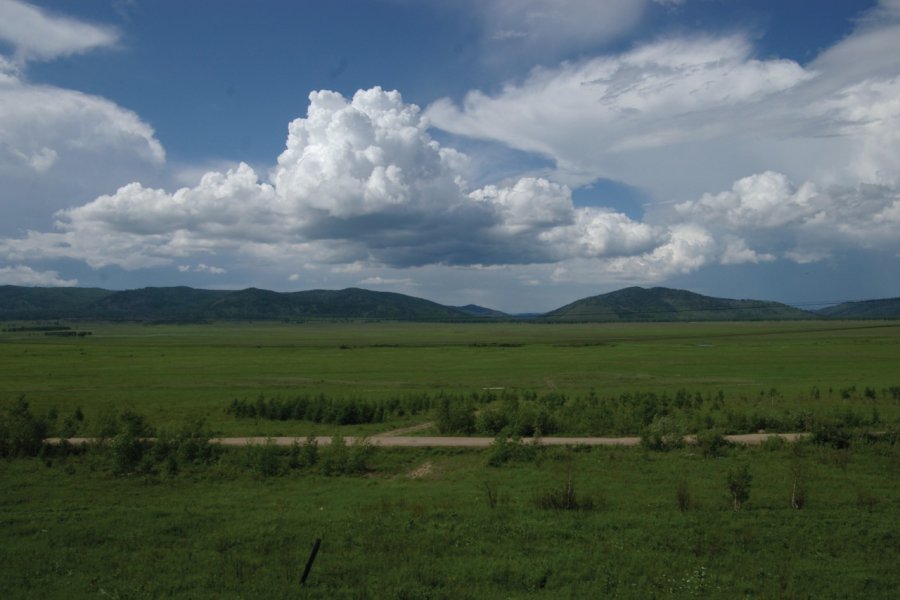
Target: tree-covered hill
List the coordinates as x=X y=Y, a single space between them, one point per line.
x=664 y=304
x=887 y=308
x=185 y=304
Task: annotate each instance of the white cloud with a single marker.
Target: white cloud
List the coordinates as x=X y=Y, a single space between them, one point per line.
x=679 y=117
x=40 y=124
x=542 y=27
x=803 y=223
x=360 y=183
x=737 y=252
x=765 y=200
x=201 y=268
x=362 y=157
x=23 y=275
x=39 y=35
x=59 y=147
x=602 y=117
x=378 y=281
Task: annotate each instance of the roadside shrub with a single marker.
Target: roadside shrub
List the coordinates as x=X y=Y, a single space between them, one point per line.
x=128 y=453
x=21 y=432
x=188 y=445
x=266 y=459
x=662 y=435
x=338 y=458
x=774 y=443
x=828 y=432
x=455 y=416
x=491 y=421
x=505 y=449
x=712 y=443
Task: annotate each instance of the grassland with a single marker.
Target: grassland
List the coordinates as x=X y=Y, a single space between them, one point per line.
x=421 y=523
x=171 y=373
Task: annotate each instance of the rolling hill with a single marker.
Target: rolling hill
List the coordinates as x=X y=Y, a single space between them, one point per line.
x=189 y=305
x=887 y=308
x=28 y=303
x=185 y=304
x=664 y=304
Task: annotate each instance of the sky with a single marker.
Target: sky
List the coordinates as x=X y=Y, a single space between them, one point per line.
x=516 y=154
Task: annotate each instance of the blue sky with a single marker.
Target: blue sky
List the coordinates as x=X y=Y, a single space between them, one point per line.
x=518 y=155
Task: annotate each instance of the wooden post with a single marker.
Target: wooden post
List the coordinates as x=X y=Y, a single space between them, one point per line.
x=309 y=563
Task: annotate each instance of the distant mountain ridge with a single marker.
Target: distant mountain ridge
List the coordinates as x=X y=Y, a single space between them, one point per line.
x=190 y=305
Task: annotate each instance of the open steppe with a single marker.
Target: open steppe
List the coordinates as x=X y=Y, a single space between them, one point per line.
x=183 y=519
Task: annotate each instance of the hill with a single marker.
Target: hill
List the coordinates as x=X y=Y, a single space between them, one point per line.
x=185 y=304
x=887 y=308
x=31 y=303
x=664 y=304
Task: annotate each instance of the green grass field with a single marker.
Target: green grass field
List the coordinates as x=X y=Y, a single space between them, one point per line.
x=73 y=531
x=170 y=373
x=419 y=523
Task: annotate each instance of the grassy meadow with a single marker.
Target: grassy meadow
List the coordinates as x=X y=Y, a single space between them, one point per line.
x=179 y=520
x=171 y=373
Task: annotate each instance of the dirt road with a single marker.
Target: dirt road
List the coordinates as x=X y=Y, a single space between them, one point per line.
x=399 y=441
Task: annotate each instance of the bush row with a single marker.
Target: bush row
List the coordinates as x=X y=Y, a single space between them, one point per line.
x=662 y=414
x=347 y=411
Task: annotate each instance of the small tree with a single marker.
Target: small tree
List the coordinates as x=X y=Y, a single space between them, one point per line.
x=739 y=481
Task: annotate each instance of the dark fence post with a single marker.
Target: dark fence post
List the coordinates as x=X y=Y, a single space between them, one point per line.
x=309 y=563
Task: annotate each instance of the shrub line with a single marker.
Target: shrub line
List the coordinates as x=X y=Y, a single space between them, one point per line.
x=451 y=441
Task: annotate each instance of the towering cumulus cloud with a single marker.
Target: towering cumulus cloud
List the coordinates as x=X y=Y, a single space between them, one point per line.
x=360 y=179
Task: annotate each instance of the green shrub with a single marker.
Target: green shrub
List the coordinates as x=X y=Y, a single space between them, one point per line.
x=712 y=443
x=506 y=449
x=739 y=481
x=828 y=432
x=21 y=432
x=663 y=434
x=266 y=459
x=455 y=416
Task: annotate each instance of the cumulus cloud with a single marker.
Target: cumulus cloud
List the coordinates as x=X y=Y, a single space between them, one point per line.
x=799 y=222
x=41 y=125
x=805 y=156
x=23 y=275
x=360 y=182
x=58 y=146
x=38 y=34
